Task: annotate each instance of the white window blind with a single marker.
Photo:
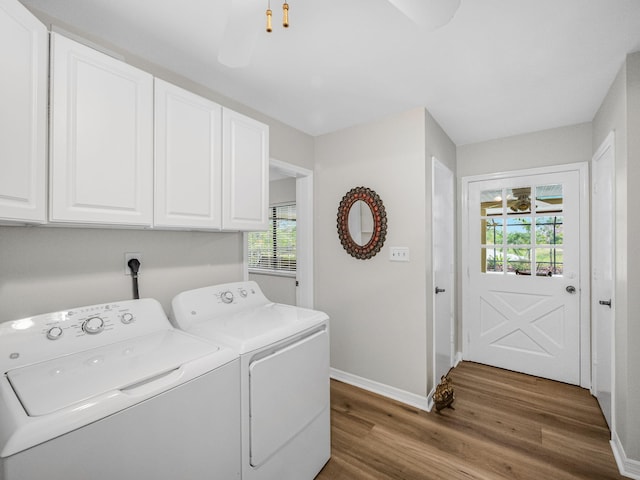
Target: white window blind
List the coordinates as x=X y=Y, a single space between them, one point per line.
x=275 y=249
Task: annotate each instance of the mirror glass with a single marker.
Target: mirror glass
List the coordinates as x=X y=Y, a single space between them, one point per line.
x=360 y=222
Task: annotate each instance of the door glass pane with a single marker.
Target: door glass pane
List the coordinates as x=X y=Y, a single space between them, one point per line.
x=549 y=230
x=549 y=198
x=492 y=260
x=493 y=231
x=519 y=260
x=519 y=231
x=491 y=203
x=519 y=200
x=549 y=261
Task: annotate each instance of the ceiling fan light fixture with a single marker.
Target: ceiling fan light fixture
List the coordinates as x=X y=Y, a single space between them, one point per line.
x=269 y=15
x=285 y=15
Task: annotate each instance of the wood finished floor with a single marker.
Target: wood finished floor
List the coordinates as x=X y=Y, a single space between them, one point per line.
x=505 y=426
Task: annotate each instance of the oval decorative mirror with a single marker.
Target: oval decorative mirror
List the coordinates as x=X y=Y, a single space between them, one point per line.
x=362 y=223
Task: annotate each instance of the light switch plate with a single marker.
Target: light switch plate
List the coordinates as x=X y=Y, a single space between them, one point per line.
x=399 y=254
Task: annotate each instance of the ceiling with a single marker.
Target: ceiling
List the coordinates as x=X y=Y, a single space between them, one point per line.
x=499 y=68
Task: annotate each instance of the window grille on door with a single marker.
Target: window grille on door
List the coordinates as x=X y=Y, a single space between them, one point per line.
x=521 y=234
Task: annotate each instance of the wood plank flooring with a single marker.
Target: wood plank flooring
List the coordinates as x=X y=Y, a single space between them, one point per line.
x=505 y=425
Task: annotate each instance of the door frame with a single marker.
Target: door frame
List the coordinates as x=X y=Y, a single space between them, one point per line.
x=304 y=231
x=585 y=274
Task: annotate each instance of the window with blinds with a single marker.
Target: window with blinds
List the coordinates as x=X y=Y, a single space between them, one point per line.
x=275 y=249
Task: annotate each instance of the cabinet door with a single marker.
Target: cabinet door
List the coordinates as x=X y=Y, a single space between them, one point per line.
x=23 y=115
x=188 y=159
x=101 y=162
x=245 y=172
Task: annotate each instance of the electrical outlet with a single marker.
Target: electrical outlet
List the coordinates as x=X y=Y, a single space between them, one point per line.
x=128 y=256
x=399 y=254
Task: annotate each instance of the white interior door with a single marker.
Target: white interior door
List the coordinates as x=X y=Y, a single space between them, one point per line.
x=523 y=261
x=443 y=242
x=602 y=275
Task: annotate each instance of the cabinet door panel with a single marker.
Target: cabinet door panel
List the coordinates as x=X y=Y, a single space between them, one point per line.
x=101 y=138
x=23 y=116
x=188 y=152
x=245 y=173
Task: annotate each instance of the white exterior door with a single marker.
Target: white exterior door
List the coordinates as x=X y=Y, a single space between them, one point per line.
x=443 y=243
x=523 y=258
x=602 y=276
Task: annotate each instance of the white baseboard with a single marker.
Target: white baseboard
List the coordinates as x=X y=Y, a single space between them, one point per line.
x=457 y=360
x=628 y=468
x=418 y=401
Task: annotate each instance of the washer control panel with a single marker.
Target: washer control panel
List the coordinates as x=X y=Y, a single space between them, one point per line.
x=42 y=336
x=90 y=320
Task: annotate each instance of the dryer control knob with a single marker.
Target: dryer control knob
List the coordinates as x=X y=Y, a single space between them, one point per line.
x=93 y=325
x=243 y=293
x=54 y=333
x=127 y=318
x=227 y=297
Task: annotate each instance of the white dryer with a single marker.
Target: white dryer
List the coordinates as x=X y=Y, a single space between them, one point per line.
x=114 y=391
x=284 y=371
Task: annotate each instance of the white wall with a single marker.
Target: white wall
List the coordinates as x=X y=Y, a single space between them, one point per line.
x=620 y=112
x=44 y=269
x=556 y=146
x=377 y=307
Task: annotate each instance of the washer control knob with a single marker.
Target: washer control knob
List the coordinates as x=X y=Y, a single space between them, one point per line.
x=93 y=325
x=54 y=333
x=127 y=318
x=227 y=297
x=243 y=293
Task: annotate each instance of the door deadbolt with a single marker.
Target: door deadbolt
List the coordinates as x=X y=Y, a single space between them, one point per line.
x=571 y=289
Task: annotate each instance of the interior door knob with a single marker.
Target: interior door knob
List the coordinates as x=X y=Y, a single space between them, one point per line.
x=605 y=302
x=439 y=290
x=571 y=289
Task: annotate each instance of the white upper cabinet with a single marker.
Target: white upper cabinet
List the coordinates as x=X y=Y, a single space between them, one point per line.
x=101 y=140
x=188 y=159
x=23 y=115
x=245 y=172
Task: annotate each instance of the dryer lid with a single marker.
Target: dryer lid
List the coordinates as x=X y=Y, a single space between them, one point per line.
x=249 y=330
x=46 y=387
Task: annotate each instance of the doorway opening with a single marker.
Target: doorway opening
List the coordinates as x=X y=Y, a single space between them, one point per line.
x=294 y=186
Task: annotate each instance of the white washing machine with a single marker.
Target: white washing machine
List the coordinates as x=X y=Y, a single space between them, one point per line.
x=284 y=371
x=113 y=391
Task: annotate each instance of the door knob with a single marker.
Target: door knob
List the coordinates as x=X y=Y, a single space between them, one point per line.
x=439 y=290
x=571 y=289
x=605 y=302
